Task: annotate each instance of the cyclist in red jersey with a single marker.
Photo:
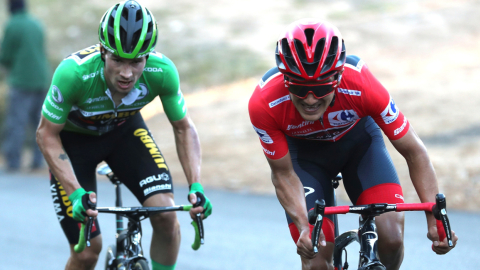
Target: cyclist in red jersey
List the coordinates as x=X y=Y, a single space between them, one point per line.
x=319 y=113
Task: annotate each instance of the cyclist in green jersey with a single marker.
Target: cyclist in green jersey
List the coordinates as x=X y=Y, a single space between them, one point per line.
x=91 y=114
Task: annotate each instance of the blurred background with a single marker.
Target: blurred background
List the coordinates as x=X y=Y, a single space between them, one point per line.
x=425 y=52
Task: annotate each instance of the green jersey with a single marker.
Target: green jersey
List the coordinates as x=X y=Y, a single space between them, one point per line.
x=80 y=98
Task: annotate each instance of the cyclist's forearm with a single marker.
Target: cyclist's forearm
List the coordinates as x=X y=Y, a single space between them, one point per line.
x=291 y=196
x=423 y=177
x=58 y=161
x=421 y=169
x=189 y=151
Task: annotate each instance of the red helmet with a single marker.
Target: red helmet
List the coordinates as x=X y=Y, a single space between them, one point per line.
x=310 y=50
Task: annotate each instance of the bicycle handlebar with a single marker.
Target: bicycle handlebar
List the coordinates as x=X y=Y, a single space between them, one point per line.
x=84 y=238
x=439 y=210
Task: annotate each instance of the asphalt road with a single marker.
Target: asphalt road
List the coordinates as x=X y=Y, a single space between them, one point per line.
x=244 y=232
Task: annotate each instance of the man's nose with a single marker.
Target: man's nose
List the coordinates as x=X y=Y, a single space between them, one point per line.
x=310 y=99
x=126 y=71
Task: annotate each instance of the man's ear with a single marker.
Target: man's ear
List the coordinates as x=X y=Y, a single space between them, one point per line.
x=102 y=53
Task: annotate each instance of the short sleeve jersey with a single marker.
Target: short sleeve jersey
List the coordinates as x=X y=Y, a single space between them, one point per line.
x=80 y=98
x=359 y=94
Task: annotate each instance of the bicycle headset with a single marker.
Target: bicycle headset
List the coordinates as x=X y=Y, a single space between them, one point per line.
x=128 y=30
x=310 y=51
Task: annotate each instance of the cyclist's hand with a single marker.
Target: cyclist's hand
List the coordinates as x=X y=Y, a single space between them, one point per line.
x=79 y=201
x=304 y=244
x=206 y=206
x=439 y=247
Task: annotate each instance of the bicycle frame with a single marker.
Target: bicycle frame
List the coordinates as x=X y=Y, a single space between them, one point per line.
x=367 y=237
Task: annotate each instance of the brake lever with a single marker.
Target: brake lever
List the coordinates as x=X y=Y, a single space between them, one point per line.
x=90 y=221
x=440 y=212
x=316 y=216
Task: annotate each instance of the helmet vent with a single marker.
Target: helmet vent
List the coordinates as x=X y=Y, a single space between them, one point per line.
x=319 y=50
x=139 y=15
x=300 y=51
x=278 y=60
x=287 y=53
x=310 y=68
x=309 y=35
x=111 y=31
x=343 y=56
x=332 y=54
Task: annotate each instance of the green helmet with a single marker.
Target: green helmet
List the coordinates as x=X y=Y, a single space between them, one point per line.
x=128 y=30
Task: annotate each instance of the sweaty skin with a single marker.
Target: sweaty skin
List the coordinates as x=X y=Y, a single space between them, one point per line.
x=121 y=74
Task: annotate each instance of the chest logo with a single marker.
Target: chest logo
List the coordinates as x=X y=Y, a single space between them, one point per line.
x=304 y=123
x=340 y=118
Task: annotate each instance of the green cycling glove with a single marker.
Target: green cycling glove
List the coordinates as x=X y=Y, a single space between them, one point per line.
x=78 y=209
x=207 y=205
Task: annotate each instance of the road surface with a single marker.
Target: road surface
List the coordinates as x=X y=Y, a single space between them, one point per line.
x=244 y=232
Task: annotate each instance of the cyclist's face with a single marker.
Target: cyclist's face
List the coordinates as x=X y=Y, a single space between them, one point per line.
x=311 y=108
x=121 y=74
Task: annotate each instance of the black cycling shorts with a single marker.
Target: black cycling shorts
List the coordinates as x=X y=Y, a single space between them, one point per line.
x=369 y=175
x=131 y=153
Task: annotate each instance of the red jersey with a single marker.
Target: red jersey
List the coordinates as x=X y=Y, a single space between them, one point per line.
x=359 y=95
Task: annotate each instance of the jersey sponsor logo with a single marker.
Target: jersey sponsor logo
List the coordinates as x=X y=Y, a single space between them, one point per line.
x=159 y=177
x=49 y=113
x=54 y=105
x=278 y=101
x=97 y=99
x=159 y=55
x=263 y=135
x=56 y=94
x=349 y=92
x=272 y=73
x=398 y=196
x=357 y=67
x=308 y=191
x=303 y=131
x=390 y=114
x=64 y=200
x=150 y=144
x=91 y=75
x=110 y=116
x=340 y=118
x=152 y=69
x=268 y=152
x=85 y=54
x=157 y=188
x=304 y=123
x=401 y=128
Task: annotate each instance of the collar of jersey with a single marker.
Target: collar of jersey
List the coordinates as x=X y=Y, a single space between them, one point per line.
x=130 y=98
